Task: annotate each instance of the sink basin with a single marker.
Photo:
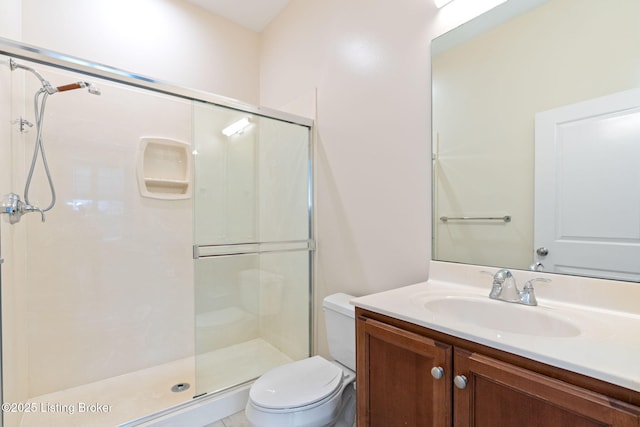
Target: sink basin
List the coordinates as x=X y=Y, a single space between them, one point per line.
x=502 y=316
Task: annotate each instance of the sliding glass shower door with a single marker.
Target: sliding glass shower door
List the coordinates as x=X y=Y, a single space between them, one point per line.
x=160 y=203
x=252 y=244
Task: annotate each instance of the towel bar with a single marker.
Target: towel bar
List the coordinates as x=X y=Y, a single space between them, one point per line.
x=506 y=218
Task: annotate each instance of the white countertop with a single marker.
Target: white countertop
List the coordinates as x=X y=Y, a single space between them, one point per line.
x=607 y=346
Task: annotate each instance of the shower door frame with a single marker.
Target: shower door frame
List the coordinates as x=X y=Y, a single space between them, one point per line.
x=69 y=63
x=18 y=50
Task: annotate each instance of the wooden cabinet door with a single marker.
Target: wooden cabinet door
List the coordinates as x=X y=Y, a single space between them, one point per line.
x=395 y=386
x=500 y=394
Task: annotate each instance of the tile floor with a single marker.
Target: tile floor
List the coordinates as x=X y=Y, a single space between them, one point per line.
x=236 y=420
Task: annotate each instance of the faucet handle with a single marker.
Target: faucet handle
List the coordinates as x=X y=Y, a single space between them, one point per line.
x=529 y=284
x=499 y=276
x=496 y=287
x=502 y=275
x=527 y=296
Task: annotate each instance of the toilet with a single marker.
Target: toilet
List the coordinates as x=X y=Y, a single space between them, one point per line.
x=312 y=392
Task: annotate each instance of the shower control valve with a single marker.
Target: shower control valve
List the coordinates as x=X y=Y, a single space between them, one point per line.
x=15 y=208
x=11 y=203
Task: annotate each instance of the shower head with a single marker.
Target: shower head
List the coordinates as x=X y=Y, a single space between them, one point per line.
x=79 y=85
x=93 y=89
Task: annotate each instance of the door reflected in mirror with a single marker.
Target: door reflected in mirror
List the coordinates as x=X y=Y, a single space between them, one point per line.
x=492 y=78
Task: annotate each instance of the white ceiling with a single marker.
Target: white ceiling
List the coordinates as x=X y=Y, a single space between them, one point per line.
x=252 y=14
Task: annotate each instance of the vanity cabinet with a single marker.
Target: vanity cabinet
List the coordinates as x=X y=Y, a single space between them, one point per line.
x=406 y=376
x=397 y=388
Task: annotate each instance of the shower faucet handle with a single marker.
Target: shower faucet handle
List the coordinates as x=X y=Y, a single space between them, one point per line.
x=15 y=208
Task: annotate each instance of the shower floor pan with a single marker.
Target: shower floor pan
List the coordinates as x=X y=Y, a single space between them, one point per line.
x=118 y=400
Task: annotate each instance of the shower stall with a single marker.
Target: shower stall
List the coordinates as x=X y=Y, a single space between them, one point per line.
x=176 y=263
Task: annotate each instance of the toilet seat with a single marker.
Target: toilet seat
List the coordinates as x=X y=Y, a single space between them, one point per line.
x=296 y=385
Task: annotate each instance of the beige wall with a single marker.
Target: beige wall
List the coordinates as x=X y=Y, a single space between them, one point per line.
x=366 y=64
x=11 y=19
x=169 y=40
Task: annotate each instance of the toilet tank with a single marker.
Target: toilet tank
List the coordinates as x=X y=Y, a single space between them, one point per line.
x=339 y=317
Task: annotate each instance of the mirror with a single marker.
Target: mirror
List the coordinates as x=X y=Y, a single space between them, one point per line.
x=536 y=139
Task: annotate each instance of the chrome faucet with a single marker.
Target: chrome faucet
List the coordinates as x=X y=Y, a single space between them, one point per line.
x=505 y=289
x=15 y=208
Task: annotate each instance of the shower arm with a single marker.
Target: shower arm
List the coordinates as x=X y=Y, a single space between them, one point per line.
x=45 y=83
x=47 y=87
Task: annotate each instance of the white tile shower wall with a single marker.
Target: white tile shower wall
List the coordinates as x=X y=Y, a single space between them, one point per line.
x=109 y=274
x=13 y=296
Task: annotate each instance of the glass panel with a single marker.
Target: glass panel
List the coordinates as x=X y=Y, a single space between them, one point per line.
x=225 y=199
x=252 y=186
x=252 y=245
x=283 y=181
x=244 y=324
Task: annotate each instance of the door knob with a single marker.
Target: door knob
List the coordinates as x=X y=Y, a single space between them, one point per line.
x=437 y=372
x=537 y=266
x=542 y=251
x=460 y=381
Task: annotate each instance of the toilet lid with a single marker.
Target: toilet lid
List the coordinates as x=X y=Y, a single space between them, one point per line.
x=296 y=384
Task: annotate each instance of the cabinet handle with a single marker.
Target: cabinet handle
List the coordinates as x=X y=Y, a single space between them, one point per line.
x=437 y=372
x=460 y=381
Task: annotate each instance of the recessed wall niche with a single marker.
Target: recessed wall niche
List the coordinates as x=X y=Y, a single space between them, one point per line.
x=164 y=168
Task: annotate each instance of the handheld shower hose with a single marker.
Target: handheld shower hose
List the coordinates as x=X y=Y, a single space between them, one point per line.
x=16 y=207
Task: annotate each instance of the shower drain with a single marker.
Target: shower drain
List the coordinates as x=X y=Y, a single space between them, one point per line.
x=180 y=387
